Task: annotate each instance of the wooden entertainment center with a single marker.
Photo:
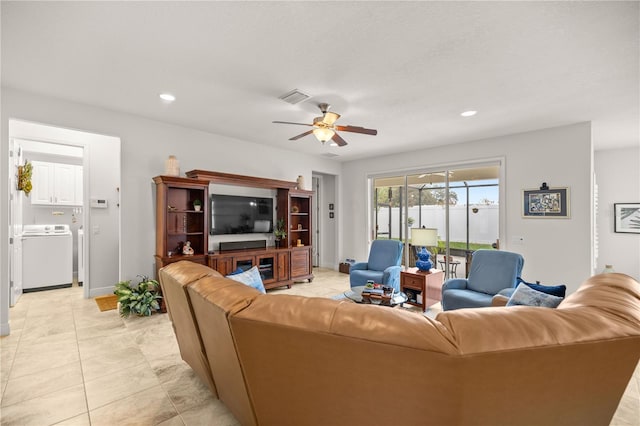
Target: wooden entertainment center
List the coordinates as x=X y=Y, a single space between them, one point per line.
x=178 y=221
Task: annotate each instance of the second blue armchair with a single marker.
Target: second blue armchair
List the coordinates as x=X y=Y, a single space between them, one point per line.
x=383 y=266
x=491 y=273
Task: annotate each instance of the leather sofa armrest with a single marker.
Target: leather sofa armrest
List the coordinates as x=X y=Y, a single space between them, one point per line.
x=361 y=266
x=499 y=300
x=455 y=283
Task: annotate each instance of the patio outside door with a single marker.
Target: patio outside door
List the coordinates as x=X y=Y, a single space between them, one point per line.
x=461 y=203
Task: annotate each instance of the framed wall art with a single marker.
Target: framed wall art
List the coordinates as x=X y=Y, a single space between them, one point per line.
x=627 y=218
x=546 y=203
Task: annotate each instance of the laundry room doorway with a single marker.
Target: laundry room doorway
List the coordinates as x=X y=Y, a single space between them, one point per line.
x=72 y=206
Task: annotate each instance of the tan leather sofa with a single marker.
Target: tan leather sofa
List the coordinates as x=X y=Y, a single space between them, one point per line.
x=174 y=281
x=292 y=360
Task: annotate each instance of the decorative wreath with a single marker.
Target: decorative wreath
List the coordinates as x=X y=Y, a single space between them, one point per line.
x=24 y=178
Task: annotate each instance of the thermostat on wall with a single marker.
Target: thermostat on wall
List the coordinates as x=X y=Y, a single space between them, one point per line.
x=98 y=203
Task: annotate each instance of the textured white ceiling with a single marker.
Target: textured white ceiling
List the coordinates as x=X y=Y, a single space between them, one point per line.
x=405 y=68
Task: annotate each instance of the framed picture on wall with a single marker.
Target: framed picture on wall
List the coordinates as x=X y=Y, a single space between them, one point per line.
x=546 y=203
x=627 y=218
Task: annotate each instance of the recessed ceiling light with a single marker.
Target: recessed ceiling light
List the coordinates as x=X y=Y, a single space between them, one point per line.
x=167 y=97
x=333 y=144
x=469 y=113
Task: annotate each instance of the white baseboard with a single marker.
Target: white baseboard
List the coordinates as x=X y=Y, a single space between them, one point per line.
x=4 y=329
x=100 y=291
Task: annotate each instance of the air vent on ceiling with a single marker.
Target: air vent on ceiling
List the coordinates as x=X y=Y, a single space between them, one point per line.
x=294 y=97
x=330 y=154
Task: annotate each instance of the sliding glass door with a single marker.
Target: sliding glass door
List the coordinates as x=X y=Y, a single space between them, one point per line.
x=462 y=204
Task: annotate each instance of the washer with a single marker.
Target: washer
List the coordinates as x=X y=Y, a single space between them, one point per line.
x=47 y=257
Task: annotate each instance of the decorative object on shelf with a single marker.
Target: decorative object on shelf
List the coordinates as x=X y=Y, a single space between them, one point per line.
x=24 y=178
x=172 y=166
x=187 y=250
x=300 y=181
x=608 y=269
x=197 y=205
x=279 y=232
x=300 y=243
x=424 y=237
x=299 y=227
x=627 y=218
x=295 y=209
x=141 y=299
x=546 y=203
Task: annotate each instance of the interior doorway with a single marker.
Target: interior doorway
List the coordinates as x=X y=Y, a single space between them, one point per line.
x=325 y=219
x=98 y=214
x=46 y=217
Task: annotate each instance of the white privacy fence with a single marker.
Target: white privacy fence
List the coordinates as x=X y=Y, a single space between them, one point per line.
x=483 y=225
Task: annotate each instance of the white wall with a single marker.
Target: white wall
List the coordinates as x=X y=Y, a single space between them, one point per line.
x=145 y=145
x=555 y=250
x=618 y=179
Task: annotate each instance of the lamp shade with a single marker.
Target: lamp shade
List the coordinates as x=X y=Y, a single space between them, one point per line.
x=424 y=237
x=323 y=134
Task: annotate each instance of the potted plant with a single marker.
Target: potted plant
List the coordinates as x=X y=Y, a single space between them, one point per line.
x=197 y=204
x=141 y=299
x=280 y=232
x=24 y=178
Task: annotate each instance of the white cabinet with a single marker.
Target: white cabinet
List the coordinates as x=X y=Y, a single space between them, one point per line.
x=42 y=182
x=79 y=185
x=56 y=184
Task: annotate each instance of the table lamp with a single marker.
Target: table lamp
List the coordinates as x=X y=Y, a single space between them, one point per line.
x=424 y=237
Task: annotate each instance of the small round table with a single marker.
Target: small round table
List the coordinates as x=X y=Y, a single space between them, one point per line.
x=355 y=294
x=453 y=267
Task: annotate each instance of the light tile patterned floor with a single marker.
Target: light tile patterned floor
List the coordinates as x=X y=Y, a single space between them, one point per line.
x=67 y=363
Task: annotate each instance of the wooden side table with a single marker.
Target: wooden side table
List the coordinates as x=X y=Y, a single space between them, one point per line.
x=426 y=285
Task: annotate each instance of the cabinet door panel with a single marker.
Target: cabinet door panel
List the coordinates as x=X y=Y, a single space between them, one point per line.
x=42 y=178
x=64 y=184
x=224 y=265
x=300 y=263
x=283 y=266
x=79 y=195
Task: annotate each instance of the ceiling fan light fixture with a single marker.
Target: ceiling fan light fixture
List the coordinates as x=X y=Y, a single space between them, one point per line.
x=323 y=134
x=469 y=113
x=330 y=118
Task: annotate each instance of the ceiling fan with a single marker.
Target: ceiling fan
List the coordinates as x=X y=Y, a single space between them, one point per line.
x=324 y=128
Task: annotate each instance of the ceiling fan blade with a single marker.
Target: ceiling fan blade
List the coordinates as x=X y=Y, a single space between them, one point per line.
x=338 y=139
x=356 y=129
x=301 y=135
x=289 y=122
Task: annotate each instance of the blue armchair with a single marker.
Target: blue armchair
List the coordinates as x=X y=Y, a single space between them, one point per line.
x=383 y=266
x=490 y=272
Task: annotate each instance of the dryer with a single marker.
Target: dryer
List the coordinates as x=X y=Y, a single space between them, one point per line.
x=47 y=257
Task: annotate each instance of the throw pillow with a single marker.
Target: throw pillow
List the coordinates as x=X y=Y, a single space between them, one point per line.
x=237 y=271
x=554 y=290
x=250 y=278
x=525 y=295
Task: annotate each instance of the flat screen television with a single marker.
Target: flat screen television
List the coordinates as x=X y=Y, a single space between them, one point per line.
x=235 y=214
